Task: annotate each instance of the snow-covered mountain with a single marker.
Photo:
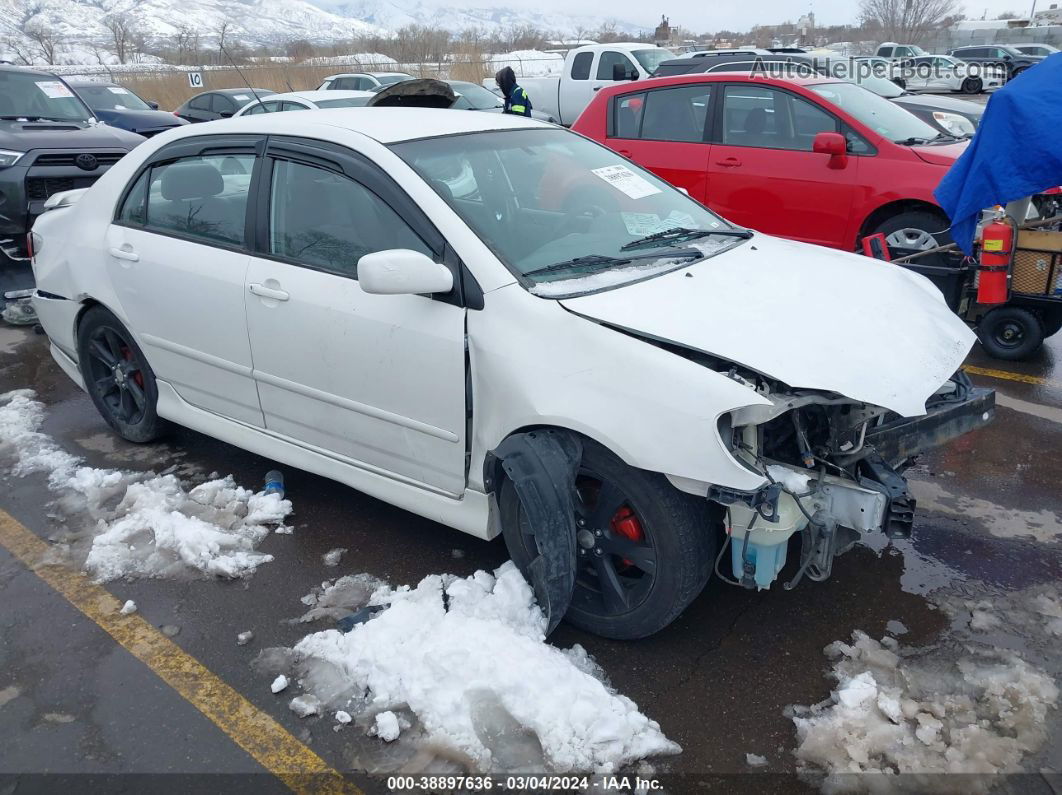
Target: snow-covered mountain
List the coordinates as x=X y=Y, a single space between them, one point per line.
x=446 y=14
x=256 y=21
x=248 y=20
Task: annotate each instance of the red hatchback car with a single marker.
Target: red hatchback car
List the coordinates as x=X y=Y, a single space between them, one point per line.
x=812 y=159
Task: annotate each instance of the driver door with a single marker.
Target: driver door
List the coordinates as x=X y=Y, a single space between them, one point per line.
x=377 y=380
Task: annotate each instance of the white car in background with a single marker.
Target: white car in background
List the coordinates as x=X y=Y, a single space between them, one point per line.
x=509 y=329
x=362 y=81
x=307 y=100
x=945 y=73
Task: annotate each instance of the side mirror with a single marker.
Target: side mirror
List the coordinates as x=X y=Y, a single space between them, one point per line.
x=153 y=105
x=834 y=145
x=399 y=271
x=225 y=114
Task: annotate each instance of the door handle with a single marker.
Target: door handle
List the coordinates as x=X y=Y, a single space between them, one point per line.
x=124 y=252
x=729 y=162
x=268 y=292
x=624 y=152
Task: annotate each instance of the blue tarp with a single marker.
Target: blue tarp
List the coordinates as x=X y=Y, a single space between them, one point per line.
x=1016 y=152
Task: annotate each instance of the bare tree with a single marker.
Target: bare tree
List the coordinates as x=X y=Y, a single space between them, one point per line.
x=46 y=41
x=909 y=21
x=123 y=34
x=186 y=42
x=19 y=48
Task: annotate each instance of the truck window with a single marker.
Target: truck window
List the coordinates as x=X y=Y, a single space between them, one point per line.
x=581 y=66
x=610 y=59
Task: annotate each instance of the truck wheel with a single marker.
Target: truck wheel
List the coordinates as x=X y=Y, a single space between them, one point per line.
x=1010 y=332
x=118 y=377
x=645 y=549
x=971 y=85
x=916 y=230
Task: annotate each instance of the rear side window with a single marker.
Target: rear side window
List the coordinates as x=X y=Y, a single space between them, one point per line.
x=349 y=84
x=329 y=221
x=581 y=66
x=202 y=197
x=676 y=114
x=221 y=104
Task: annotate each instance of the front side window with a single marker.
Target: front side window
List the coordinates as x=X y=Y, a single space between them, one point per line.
x=609 y=60
x=25 y=95
x=773 y=119
x=202 y=102
x=629 y=109
x=326 y=220
x=220 y=103
x=581 y=66
x=676 y=114
x=545 y=200
x=350 y=84
x=203 y=197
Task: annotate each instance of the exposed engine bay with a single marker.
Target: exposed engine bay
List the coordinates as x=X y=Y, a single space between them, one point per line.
x=834 y=472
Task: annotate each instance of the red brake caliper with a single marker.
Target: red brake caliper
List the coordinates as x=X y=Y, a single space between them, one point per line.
x=626 y=524
x=138 y=376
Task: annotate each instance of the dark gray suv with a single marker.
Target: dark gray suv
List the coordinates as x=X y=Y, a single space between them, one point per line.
x=1011 y=59
x=49 y=142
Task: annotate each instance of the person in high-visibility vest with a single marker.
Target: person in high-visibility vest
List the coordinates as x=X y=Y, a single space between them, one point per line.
x=516 y=100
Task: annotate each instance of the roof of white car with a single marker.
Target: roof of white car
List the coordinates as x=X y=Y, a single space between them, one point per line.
x=314 y=95
x=386 y=125
x=367 y=74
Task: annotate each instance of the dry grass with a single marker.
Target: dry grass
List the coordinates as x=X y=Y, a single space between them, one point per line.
x=170 y=89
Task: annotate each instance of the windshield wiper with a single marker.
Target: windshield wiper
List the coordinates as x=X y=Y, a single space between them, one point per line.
x=590 y=260
x=602 y=261
x=681 y=234
x=938 y=137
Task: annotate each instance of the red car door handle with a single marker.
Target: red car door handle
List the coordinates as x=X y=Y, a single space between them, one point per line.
x=624 y=152
x=729 y=162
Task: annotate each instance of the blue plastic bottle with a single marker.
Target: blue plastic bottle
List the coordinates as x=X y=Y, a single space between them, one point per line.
x=274 y=482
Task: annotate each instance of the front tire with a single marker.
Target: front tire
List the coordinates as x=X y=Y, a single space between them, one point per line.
x=645 y=549
x=971 y=85
x=1010 y=333
x=117 y=377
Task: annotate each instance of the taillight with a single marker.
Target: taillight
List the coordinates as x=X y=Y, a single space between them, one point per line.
x=34 y=242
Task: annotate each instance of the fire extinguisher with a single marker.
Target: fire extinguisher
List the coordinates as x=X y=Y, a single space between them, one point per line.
x=997 y=250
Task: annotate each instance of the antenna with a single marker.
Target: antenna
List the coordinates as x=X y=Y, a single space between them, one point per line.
x=242 y=76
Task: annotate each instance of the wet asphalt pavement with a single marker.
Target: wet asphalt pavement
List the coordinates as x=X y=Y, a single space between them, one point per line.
x=717 y=680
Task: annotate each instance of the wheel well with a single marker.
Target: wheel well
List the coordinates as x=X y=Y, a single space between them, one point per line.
x=886 y=211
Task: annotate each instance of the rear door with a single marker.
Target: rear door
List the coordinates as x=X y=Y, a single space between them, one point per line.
x=177 y=257
x=762 y=172
x=664 y=130
x=378 y=380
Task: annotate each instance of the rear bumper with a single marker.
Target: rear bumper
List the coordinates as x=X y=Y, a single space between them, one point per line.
x=906 y=437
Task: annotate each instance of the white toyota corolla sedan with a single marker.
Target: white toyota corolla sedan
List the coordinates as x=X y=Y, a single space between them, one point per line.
x=507 y=328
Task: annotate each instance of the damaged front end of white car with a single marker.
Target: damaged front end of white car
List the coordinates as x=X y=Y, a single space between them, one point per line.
x=833 y=468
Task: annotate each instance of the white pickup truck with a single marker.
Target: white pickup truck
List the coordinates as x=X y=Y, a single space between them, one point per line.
x=586 y=70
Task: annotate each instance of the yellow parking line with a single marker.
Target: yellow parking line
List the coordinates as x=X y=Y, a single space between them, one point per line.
x=1008 y=376
x=253 y=730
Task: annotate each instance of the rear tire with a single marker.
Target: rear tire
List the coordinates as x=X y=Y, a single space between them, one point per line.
x=117 y=377
x=972 y=85
x=1010 y=333
x=676 y=534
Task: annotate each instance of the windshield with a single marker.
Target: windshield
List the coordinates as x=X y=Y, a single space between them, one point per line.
x=346 y=102
x=650 y=59
x=541 y=198
x=474 y=96
x=883 y=117
x=25 y=95
x=111 y=98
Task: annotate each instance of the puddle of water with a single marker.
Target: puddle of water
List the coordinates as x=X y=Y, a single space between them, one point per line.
x=1043 y=525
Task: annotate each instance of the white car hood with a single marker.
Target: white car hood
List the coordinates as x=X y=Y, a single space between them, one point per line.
x=812 y=317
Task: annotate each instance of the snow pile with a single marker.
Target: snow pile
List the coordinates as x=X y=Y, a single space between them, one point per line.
x=146 y=525
x=466 y=659
x=893 y=712
x=529 y=63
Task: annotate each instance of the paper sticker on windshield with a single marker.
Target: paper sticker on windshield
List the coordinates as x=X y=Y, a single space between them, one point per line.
x=240 y=97
x=642 y=224
x=53 y=89
x=623 y=179
x=117 y=90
